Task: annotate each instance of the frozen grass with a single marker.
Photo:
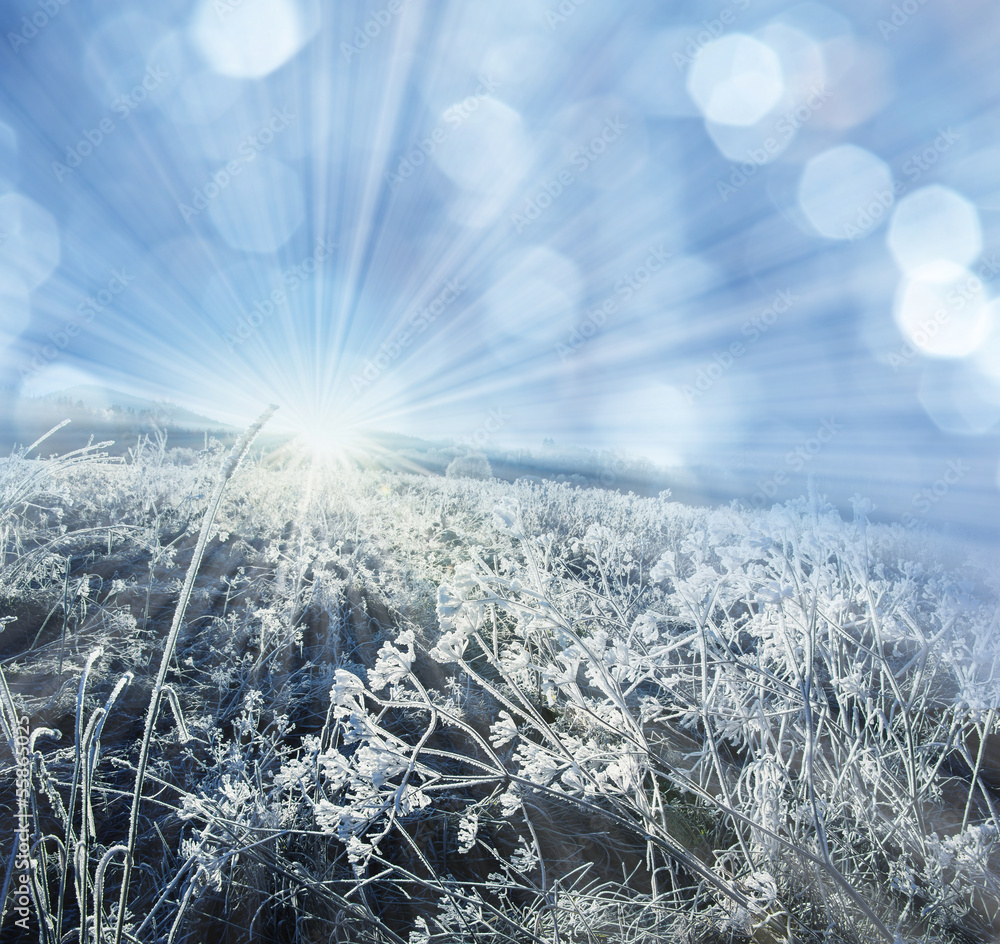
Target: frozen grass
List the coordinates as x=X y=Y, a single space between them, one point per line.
x=417 y=710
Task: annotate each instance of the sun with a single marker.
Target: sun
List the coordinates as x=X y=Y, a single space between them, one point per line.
x=327 y=439
x=324 y=447
x=324 y=444
x=322 y=436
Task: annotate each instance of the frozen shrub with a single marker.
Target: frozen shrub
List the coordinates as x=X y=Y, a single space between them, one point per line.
x=473 y=465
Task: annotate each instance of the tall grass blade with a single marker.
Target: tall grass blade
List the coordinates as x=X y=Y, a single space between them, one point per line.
x=239 y=450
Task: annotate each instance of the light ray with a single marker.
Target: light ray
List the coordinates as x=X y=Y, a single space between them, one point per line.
x=489 y=183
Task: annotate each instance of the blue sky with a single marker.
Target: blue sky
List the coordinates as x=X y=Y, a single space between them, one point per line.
x=751 y=234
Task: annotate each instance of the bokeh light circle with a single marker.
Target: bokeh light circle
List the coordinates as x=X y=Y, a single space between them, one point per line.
x=946 y=313
x=846 y=192
x=736 y=80
x=934 y=224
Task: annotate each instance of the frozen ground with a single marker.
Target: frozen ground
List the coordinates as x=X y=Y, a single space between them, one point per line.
x=404 y=708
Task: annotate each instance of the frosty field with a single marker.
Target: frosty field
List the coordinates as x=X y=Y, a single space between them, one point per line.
x=403 y=708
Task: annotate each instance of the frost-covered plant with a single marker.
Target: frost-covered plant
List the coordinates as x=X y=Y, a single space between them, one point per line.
x=397 y=716
x=474 y=465
x=789 y=697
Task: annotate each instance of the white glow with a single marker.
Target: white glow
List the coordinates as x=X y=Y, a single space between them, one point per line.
x=738 y=143
x=804 y=96
x=944 y=314
x=58 y=377
x=30 y=249
x=323 y=445
x=958 y=400
x=846 y=192
x=249 y=39
x=648 y=417
x=934 y=224
x=736 y=80
x=489 y=152
x=326 y=438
